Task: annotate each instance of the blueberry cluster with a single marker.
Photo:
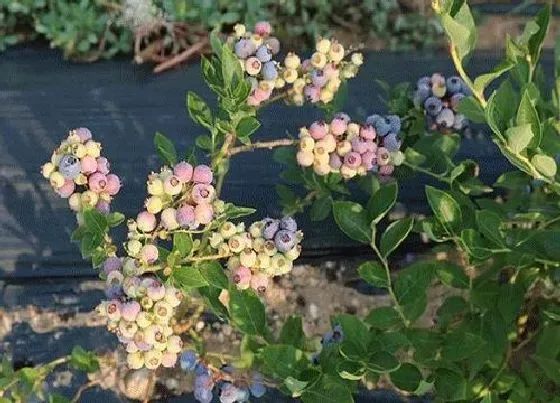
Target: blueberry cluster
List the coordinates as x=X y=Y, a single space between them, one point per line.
x=351 y=149
x=79 y=173
x=333 y=336
x=207 y=379
x=267 y=249
x=316 y=79
x=439 y=99
x=255 y=51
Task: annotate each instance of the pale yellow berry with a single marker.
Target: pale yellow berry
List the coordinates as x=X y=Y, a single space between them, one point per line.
x=257 y=40
x=280 y=264
x=56 y=179
x=135 y=360
x=236 y=243
x=55 y=158
x=328 y=143
x=292 y=61
x=279 y=83
x=248 y=258
x=81 y=179
x=290 y=75
x=343 y=148
x=357 y=59
x=336 y=52
x=256 y=229
x=320 y=155
x=293 y=253
x=307 y=144
x=239 y=29
x=154 y=205
x=304 y=158
x=298 y=99
x=318 y=60
x=155 y=187
x=93 y=149
x=133 y=247
x=333 y=84
x=326 y=95
x=349 y=71
x=144 y=319
x=321 y=168
x=152 y=359
x=361 y=170
x=233 y=263
x=323 y=46
x=47 y=169
x=79 y=150
x=299 y=85
x=89 y=198
x=75 y=202
x=347 y=172
x=353 y=129
x=127 y=329
x=216 y=240
x=228 y=229
x=73 y=139
x=258 y=244
x=263 y=260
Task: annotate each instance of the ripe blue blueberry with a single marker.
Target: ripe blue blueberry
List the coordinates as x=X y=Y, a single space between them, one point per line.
x=264 y=54
x=327 y=338
x=422 y=94
x=288 y=223
x=395 y=123
x=229 y=393
x=244 y=48
x=203 y=395
x=392 y=142
x=271 y=227
x=382 y=127
x=433 y=106
x=372 y=119
x=445 y=118
x=285 y=240
x=257 y=387
x=424 y=82
x=69 y=166
x=188 y=360
x=269 y=71
x=454 y=85
x=200 y=369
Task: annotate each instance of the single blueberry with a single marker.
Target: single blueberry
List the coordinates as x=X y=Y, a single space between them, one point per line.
x=433 y=106
x=264 y=54
x=392 y=142
x=271 y=227
x=269 y=71
x=454 y=85
x=445 y=118
x=288 y=223
x=69 y=166
x=285 y=240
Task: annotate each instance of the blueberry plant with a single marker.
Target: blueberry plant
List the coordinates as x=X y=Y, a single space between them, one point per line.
x=493 y=338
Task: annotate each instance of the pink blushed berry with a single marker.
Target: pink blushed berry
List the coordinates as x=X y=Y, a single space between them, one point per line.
x=156 y=291
x=386 y=169
x=103 y=165
x=66 y=190
x=253 y=101
x=259 y=282
x=97 y=182
x=203 y=213
x=261 y=95
x=318 y=130
x=202 y=193
x=172 y=185
x=335 y=161
x=383 y=156
x=263 y=28
x=84 y=133
x=331 y=71
x=352 y=160
x=168 y=360
x=359 y=145
x=368 y=132
x=113 y=184
x=149 y=253
x=183 y=171
x=242 y=277
x=338 y=126
x=185 y=215
x=103 y=206
x=146 y=221
x=312 y=93
x=88 y=165
x=368 y=160
x=130 y=310
x=202 y=174
x=253 y=66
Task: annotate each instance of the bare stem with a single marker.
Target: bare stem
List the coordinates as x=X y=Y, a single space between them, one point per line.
x=204 y=258
x=82 y=389
x=263 y=144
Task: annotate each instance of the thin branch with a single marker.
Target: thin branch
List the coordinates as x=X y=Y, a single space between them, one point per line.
x=183 y=56
x=263 y=144
x=83 y=388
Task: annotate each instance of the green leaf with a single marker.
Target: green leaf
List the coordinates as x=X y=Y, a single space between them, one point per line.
x=510 y=298
x=383 y=318
x=231 y=69
x=214 y=274
x=84 y=360
x=247 y=311
x=204 y=142
x=114 y=219
x=547 y=343
x=482 y=81
x=536 y=40
x=550 y=367
x=188 y=277
x=472 y=109
x=394 y=235
x=461 y=30
x=451 y=308
x=95 y=222
x=459 y=345
x=321 y=208
x=445 y=208
x=382 y=362
x=29 y=376
x=544 y=164
x=247 y=126
x=327 y=391
x=449 y=385
x=350 y=370
x=407 y=377
x=211 y=298
x=183 y=243
x=292 y=332
x=373 y=273
x=215 y=43
x=56 y=398
x=281 y=360
x=382 y=201
x=165 y=149
x=489 y=224
x=527 y=114
x=199 y=110
x=452 y=275
x=352 y=219
x=519 y=137
x=410 y=288
x=232 y=211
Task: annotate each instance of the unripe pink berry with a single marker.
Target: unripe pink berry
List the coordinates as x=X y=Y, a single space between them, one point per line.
x=338 y=126
x=253 y=66
x=168 y=218
x=305 y=159
x=156 y=291
x=66 y=190
x=312 y=93
x=183 y=171
x=88 y=164
x=112 y=263
x=202 y=193
x=172 y=185
x=368 y=132
x=352 y=160
x=146 y=221
x=97 y=182
x=203 y=213
x=359 y=145
x=242 y=277
x=149 y=253
x=113 y=184
x=185 y=215
x=168 y=360
x=113 y=310
x=202 y=174
x=130 y=310
x=263 y=28
x=253 y=101
x=224 y=298
x=261 y=95
x=368 y=159
x=335 y=161
x=103 y=206
x=386 y=169
x=84 y=133
x=383 y=156
x=103 y=165
x=331 y=71
x=318 y=130
x=259 y=282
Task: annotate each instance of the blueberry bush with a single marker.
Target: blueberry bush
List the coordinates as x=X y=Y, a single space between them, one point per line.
x=495 y=336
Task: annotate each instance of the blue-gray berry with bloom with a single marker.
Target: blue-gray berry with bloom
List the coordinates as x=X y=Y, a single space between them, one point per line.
x=445 y=118
x=188 y=360
x=244 y=48
x=285 y=240
x=271 y=227
x=382 y=127
x=392 y=142
x=69 y=166
x=288 y=223
x=433 y=106
x=257 y=387
x=454 y=85
x=395 y=123
x=264 y=54
x=269 y=71
x=372 y=119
